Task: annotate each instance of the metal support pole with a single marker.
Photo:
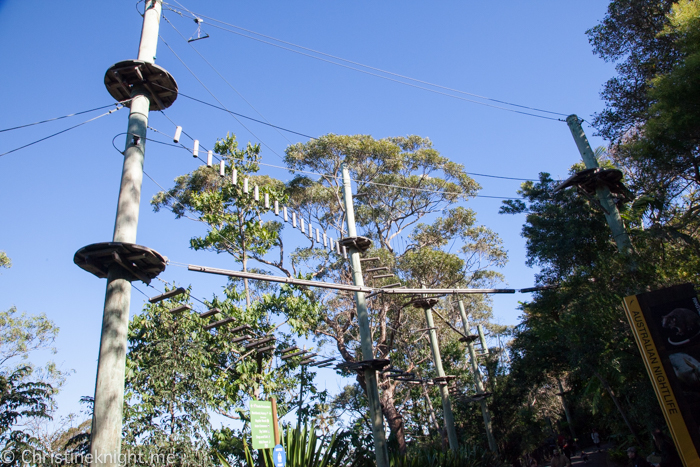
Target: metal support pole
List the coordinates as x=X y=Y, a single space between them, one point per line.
x=375 y=409
x=612 y=215
x=105 y=444
x=479 y=384
x=444 y=392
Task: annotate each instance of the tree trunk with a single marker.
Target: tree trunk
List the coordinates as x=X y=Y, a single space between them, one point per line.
x=393 y=417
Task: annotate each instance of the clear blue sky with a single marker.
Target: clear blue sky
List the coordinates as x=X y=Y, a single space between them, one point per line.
x=59 y=195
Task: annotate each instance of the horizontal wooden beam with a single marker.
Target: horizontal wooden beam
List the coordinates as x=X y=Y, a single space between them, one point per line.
x=347 y=287
x=163 y=296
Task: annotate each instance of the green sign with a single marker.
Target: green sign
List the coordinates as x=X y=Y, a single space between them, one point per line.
x=261 y=425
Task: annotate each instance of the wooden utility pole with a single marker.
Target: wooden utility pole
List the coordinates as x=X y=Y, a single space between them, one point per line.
x=477 y=381
x=121 y=261
x=442 y=381
x=375 y=409
x=612 y=215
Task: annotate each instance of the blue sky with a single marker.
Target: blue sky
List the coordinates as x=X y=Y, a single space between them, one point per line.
x=59 y=195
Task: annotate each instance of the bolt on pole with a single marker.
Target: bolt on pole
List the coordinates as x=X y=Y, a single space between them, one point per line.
x=375 y=409
x=105 y=443
x=477 y=380
x=612 y=215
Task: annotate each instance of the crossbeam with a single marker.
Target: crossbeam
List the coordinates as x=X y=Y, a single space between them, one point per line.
x=346 y=287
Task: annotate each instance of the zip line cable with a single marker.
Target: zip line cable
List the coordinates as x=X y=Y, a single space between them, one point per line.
x=180 y=94
x=212 y=95
x=371 y=67
x=383 y=71
x=219 y=158
x=61 y=132
x=64 y=116
x=225 y=80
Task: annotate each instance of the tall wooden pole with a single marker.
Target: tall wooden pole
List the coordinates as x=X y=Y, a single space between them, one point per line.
x=375 y=409
x=444 y=391
x=612 y=215
x=478 y=382
x=106 y=436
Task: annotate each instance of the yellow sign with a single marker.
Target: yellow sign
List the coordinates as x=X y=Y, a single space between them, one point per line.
x=660 y=381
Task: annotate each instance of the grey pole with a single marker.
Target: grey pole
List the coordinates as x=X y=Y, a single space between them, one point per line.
x=375 y=409
x=477 y=380
x=105 y=444
x=444 y=392
x=482 y=338
x=612 y=215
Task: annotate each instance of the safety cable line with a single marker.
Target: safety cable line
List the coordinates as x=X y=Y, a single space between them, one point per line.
x=62 y=117
x=212 y=95
x=180 y=94
x=426 y=190
x=391 y=79
x=62 y=131
x=227 y=82
x=379 y=69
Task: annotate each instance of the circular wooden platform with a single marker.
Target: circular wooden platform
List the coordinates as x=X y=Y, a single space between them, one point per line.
x=121 y=78
x=141 y=262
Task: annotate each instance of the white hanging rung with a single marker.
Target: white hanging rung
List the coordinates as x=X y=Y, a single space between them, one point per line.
x=337 y=247
x=245 y=185
x=330 y=243
x=318 y=236
x=302 y=226
x=345 y=253
x=325 y=240
x=195 y=149
x=267 y=201
x=294 y=220
x=178 y=133
x=234 y=176
x=222 y=168
x=256 y=193
x=311 y=231
x=277 y=208
x=210 y=157
x=284 y=211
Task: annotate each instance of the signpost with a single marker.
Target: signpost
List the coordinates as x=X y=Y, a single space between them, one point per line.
x=261 y=424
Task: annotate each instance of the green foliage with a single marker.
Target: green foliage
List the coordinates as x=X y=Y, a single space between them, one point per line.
x=404 y=190
x=303 y=449
x=26 y=392
x=466 y=456
x=21 y=399
x=5 y=262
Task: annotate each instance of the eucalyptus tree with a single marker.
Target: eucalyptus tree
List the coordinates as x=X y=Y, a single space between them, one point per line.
x=237 y=225
x=402 y=185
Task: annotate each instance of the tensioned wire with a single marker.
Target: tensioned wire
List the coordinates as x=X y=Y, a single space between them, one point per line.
x=217 y=99
x=219 y=158
x=64 y=116
x=63 y=131
x=377 y=69
x=302 y=134
x=225 y=80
